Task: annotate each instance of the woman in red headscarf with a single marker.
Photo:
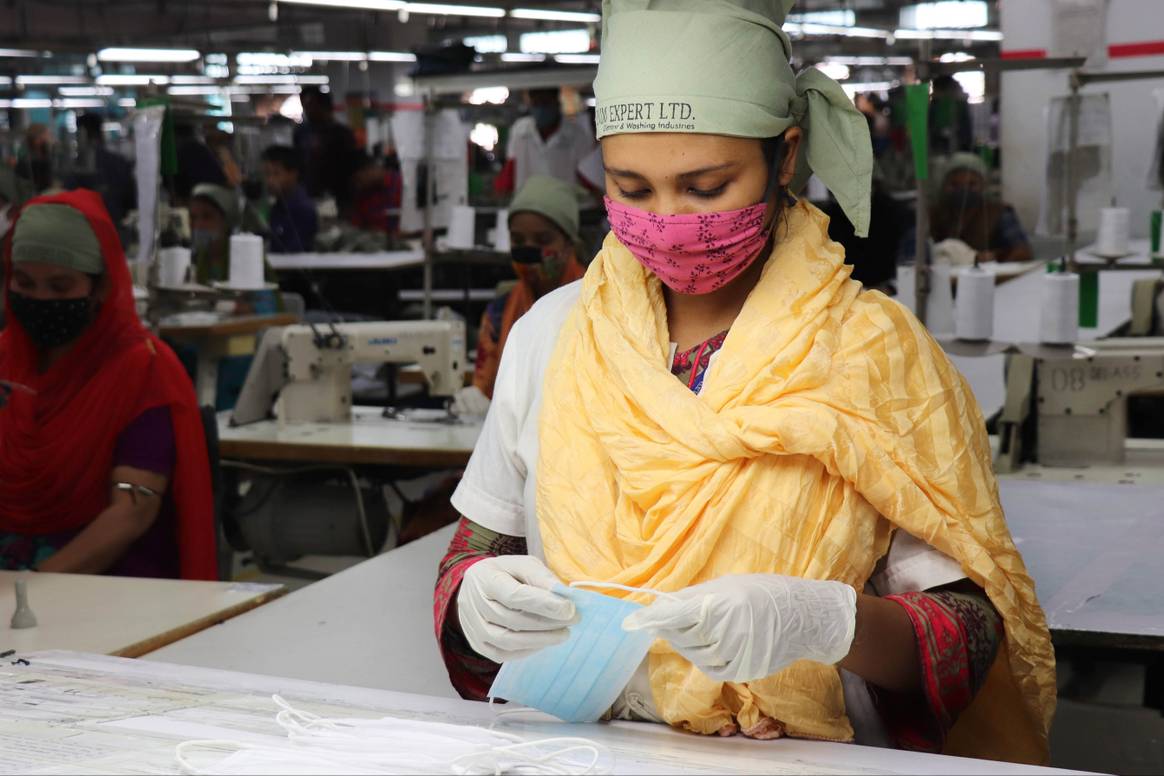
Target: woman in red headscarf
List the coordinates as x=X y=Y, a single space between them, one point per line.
x=103 y=463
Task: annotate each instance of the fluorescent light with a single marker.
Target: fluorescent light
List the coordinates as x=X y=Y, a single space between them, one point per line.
x=982 y=35
x=441 y=9
x=576 y=59
x=945 y=14
x=515 y=57
x=834 y=70
x=365 y=5
x=239 y=93
x=809 y=28
x=147 y=55
x=116 y=79
x=271 y=59
x=489 y=95
x=50 y=80
x=270 y=80
x=852 y=89
x=554 y=16
x=18 y=53
x=845 y=18
x=74 y=103
x=486 y=44
x=191 y=79
x=85 y=91
x=332 y=56
x=27 y=103
x=193 y=90
x=391 y=56
x=869 y=61
x=555 y=42
x=127 y=102
x=5 y=80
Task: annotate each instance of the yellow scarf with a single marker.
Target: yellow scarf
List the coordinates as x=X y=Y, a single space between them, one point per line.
x=829 y=418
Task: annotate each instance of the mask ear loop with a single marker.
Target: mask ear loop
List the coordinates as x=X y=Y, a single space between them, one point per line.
x=626 y=588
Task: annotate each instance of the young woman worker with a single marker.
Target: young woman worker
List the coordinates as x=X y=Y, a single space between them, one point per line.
x=718 y=410
x=103 y=465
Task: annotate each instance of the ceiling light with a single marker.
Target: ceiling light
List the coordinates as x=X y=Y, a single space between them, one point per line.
x=516 y=57
x=554 y=16
x=78 y=103
x=982 y=35
x=27 y=102
x=364 y=5
x=576 y=59
x=945 y=14
x=5 y=80
x=85 y=91
x=870 y=61
x=127 y=102
x=391 y=56
x=331 y=56
x=808 y=28
x=443 y=9
x=271 y=59
x=268 y=80
x=193 y=90
x=191 y=79
x=50 y=80
x=834 y=70
x=20 y=53
x=147 y=55
x=116 y=79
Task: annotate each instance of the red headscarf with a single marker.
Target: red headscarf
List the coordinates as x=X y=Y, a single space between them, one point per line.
x=56 y=447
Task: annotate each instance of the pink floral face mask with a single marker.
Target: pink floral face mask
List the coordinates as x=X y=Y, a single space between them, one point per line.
x=693 y=254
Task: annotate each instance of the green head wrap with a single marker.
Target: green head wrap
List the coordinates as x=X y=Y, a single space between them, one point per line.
x=551 y=198
x=721 y=67
x=59 y=235
x=964 y=161
x=222 y=198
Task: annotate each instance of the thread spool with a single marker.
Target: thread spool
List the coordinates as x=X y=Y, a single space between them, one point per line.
x=173 y=265
x=501 y=242
x=974 y=309
x=462 y=232
x=940 y=303
x=1059 y=315
x=246 y=262
x=1112 y=237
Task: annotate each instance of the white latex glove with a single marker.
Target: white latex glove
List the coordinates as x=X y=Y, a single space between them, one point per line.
x=955 y=252
x=507 y=611
x=745 y=627
x=470 y=400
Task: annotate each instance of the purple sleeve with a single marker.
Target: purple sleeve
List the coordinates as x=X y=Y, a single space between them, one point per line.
x=148 y=443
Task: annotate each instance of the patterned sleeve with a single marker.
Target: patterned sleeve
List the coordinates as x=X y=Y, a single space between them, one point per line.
x=470 y=673
x=958 y=634
x=488 y=347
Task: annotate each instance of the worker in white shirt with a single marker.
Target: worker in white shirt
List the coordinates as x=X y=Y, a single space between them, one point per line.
x=546 y=142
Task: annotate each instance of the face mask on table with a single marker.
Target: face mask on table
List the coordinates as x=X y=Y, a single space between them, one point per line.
x=695 y=253
x=50 y=323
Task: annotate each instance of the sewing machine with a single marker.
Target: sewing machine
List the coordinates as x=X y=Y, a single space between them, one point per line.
x=303 y=373
x=1069 y=406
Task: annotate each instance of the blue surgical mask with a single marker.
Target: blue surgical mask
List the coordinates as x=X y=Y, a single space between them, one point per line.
x=578 y=680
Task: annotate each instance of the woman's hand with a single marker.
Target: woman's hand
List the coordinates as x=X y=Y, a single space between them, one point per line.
x=506 y=610
x=745 y=627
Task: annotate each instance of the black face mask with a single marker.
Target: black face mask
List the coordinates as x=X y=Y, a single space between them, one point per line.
x=526 y=254
x=50 y=323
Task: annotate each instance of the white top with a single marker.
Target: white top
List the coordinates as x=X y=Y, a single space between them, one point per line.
x=557 y=157
x=498 y=488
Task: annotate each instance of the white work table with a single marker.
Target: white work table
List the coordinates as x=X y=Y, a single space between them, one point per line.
x=368 y=626
x=120 y=615
x=98 y=714
x=413 y=257
x=368 y=438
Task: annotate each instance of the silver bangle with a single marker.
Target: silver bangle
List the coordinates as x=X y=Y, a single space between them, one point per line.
x=133 y=489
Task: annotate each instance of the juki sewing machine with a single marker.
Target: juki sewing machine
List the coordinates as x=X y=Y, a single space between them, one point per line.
x=303 y=373
x=1069 y=406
